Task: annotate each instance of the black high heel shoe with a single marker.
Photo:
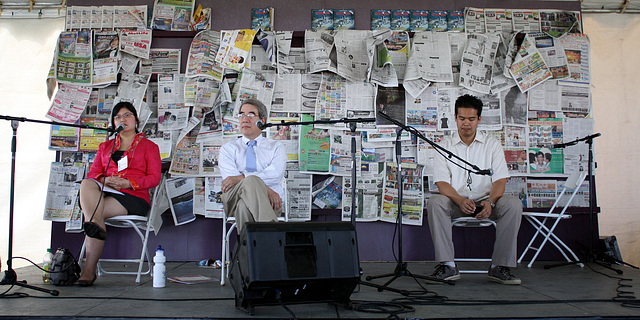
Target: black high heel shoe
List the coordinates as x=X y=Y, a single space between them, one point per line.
x=92 y=230
x=86 y=283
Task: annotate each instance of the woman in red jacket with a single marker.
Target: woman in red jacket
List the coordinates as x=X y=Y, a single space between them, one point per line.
x=131 y=165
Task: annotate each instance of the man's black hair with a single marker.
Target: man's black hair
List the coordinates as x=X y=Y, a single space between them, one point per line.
x=469 y=101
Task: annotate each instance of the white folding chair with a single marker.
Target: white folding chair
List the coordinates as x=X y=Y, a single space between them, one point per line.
x=226 y=236
x=137 y=223
x=572 y=183
x=472 y=222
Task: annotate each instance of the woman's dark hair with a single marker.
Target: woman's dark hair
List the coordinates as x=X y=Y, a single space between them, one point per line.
x=127 y=105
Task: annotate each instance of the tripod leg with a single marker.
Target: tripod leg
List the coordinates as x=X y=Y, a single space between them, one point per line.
x=10 y=278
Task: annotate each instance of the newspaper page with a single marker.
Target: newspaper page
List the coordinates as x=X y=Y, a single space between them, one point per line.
x=287 y=94
x=63 y=138
x=576 y=156
x=105 y=57
x=315 y=148
x=391 y=101
x=172 y=15
x=309 y=92
x=476 y=68
x=581 y=198
x=368 y=198
x=181 y=192
x=517 y=187
x=515 y=136
x=162 y=138
x=161 y=61
x=528 y=68
x=498 y=21
x=576 y=48
x=340 y=163
x=331 y=100
x=499 y=81
x=202 y=54
x=318 y=46
x=214 y=207
x=90 y=139
x=327 y=194
x=260 y=60
x=128 y=62
x=546 y=161
x=62 y=191
x=200 y=92
x=74 y=225
x=545 y=97
x=298 y=195
x=491 y=113
x=352 y=53
x=527 y=21
x=132 y=88
x=513 y=104
x=544 y=132
x=541 y=193
x=474 y=21
x=426 y=153
x=234 y=48
x=360 y=104
x=446 y=109
x=552 y=53
x=413 y=82
x=434 y=55
x=255 y=86
x=198 y=196
x=186 y=157
x=395 y=46
x=422 y=111
x=130 y=17
x=559 y=22
x=211 y=129
x=74 y=57
x=412 y=193
x=107 y=17
x=289 y=135
x=575 y=99
x=136 y=42
x=68 y=103
x=209 y=161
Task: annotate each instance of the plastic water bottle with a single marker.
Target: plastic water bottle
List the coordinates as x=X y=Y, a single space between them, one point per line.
x=46 y=265
x=159 y=269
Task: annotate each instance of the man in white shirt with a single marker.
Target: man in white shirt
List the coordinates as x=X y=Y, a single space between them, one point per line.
x=461 y=193
x=252 y=168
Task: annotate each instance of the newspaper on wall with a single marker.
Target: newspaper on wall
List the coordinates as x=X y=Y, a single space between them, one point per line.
x=234 y=48
x=576 y=48
x=181 y=199
x=541 y=193
x=172 y=15
x=315 y=145
x=527 y=21
x=62 y=191
x=433 y=53
x=132 y=88
x=498 y=21
x=161 y=61
x=318 y=46
x=353 y=54
x=68 y=103
x=202 y=54
x=186 y=157
x=552 y=53
x=528 y=68
x=412 y=193
x=74 y=63
x=298 y=195
x=105 y=57
x=368 y=198
x=474 y=21
x=288 y=135
x=476 y=69
x=136 y=42
x=214 y=207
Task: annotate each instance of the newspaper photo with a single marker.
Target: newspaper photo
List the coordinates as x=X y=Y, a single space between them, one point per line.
x=181 y=192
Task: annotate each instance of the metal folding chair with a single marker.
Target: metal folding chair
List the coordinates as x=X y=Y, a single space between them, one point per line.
x=471 y=222
x=572 y=183
x=138 y=224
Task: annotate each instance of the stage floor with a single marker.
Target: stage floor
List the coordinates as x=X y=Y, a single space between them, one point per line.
x=564 y=292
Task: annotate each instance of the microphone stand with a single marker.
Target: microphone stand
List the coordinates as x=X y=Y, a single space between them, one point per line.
x=352 y=128
x=10 y=276
x=591 y=255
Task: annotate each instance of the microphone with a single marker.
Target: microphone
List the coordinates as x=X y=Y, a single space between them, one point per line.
x=485 y=172
x=260 y=124
x=119 y=128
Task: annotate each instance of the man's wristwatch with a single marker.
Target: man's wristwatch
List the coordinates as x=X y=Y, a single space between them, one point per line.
x=493 y=204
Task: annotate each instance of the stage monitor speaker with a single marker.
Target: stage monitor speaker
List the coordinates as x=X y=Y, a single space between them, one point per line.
x=294 y=262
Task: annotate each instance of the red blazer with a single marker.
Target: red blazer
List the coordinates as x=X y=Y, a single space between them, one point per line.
x=144 y=165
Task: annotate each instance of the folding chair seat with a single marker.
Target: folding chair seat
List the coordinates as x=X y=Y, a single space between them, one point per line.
x=540 y=221
x=142 y=225
x=471 y=222
x=228 y=225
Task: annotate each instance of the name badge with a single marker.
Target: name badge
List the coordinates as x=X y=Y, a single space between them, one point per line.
x=123 y=163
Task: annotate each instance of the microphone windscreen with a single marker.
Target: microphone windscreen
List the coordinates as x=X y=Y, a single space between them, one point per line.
x=259 y=124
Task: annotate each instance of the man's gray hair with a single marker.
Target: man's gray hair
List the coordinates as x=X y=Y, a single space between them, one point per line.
x=262 y=109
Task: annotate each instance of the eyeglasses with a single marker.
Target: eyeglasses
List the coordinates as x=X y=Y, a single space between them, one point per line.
x=247 y=115
x=124 y=116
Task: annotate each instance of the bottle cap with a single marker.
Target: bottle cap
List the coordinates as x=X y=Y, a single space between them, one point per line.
x=49 y=250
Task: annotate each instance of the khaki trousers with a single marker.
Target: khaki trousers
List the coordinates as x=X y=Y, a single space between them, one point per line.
x=248 y=201
x=507 y=214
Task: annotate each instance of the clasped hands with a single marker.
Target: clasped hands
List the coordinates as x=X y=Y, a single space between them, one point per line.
x=116 y=182
x=468 y=207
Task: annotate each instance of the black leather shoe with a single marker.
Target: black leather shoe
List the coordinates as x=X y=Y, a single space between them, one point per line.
x=92 y=230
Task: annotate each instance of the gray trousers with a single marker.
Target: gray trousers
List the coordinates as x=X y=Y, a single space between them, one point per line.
x=507 y=214
x=248 y=201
